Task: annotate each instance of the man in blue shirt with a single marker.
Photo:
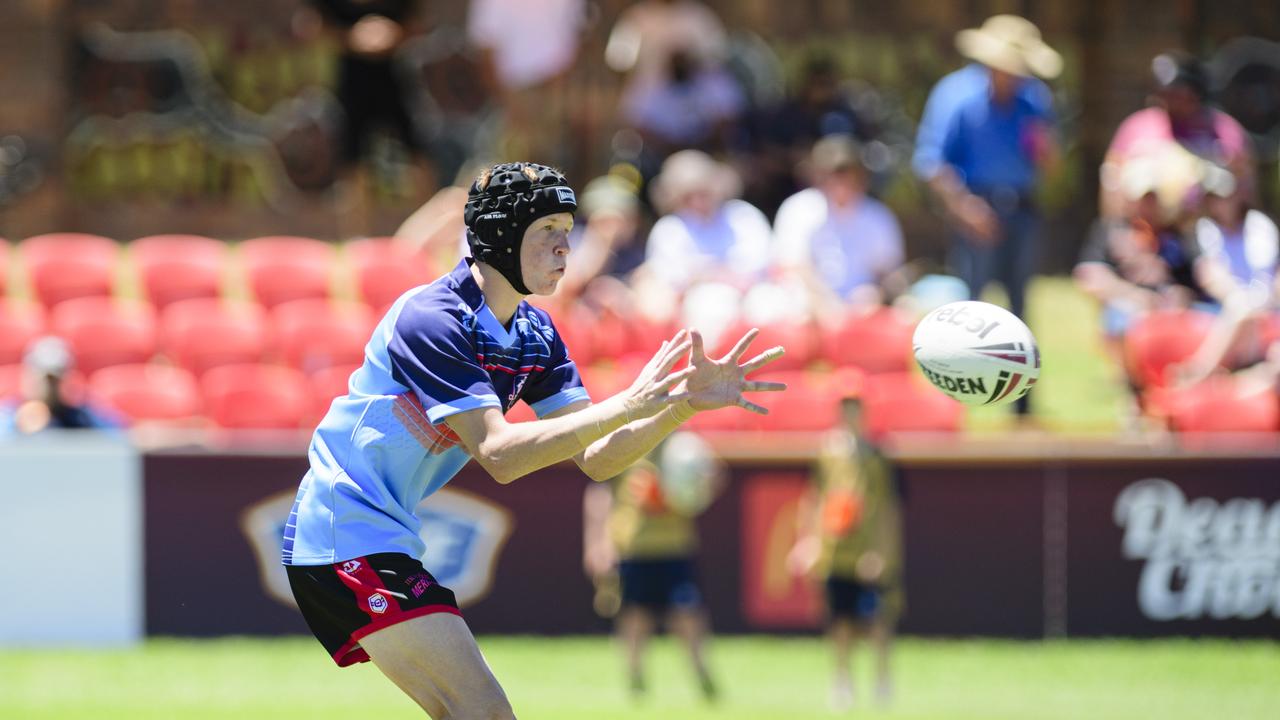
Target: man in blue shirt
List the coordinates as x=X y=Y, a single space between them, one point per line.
x=442 y=368
x=986 y=135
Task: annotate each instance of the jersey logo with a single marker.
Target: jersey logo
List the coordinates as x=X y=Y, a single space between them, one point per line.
x=515 y=390
x=377 y=603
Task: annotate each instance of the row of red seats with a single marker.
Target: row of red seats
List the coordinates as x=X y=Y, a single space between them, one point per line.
x=241 y=396
x=1159 y=341
x=258 y=396
x=64 y=266
x=876 y=342
x=892 y=402
x=196 y=334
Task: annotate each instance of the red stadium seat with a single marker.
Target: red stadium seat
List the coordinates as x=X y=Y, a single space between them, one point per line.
x=179 y=267
x=62 y=266
x=19 y=325
x=204 y=333
x=904 y=402
x=876 y=342
x=10 y=382
x=808 y=404
x=1222 y=404
x=317 y=334
x=327 y=384
x=1161 y=339
x=802 y=343
x=284 y=268
x=256 y=397
x=105 y=331
x=147 y=392
x=385 y=269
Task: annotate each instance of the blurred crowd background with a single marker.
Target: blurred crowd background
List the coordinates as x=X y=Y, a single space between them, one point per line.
x=819 y=169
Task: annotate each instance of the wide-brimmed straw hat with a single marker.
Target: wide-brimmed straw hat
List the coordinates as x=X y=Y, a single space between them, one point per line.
x=1011 y=44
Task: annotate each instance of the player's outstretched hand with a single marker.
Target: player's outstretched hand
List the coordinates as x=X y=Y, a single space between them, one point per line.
x=720 y=383
x=651 y=391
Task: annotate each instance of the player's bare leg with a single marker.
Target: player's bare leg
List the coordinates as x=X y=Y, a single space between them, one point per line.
x=882 y=641
x=843 y=634
x=435 y=660
x=635 y=626
x=691 y=627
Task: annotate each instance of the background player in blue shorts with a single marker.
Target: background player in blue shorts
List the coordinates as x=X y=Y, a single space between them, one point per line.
x=442 y=368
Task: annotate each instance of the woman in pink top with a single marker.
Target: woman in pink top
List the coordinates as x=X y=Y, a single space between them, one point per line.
x=1180 y=116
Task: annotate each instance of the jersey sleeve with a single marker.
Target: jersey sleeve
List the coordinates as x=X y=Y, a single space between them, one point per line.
x=432 y=353
x=557 y=386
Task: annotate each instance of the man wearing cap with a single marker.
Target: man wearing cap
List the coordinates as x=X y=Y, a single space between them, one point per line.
x=986 y=136
x=443 y=367
x=45 y=405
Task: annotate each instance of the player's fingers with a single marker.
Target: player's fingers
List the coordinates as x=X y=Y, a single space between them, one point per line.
x=674 y=353
x=746 y=404
x=741 y=347
x=696 y=353
x=763 y=359
x=763 y=386
x=675 y=378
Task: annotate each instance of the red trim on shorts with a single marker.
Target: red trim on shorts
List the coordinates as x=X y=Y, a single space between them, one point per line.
x=365 y=583
x=351 y=652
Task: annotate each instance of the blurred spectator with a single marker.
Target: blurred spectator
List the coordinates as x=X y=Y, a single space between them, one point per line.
x=850 y=538
x=705 y=236
x=818 y=106
x=987 y=134
x=1239 y=244
x=46 y=404
x=371 y=89
x=639 y=549
x=608 y=245
x=1239 y=248
x=1180 y=115
x=695 y=105
x=647 y=35
x=1143 y=261
x=528 y=49
x=841 y=242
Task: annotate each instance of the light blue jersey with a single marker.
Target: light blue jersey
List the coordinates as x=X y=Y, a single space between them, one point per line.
x=383 y=447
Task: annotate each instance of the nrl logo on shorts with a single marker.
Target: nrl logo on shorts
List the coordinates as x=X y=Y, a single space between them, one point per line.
x=464 y=534
x=351 y=566
x=377 y=603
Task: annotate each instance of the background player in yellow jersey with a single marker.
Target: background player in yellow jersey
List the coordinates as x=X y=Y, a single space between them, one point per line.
x=640 y=542
x=851 y=539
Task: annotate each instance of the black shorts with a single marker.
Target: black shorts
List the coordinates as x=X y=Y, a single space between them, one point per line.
x=659 y=584
x=852 y=600
x=346 y=601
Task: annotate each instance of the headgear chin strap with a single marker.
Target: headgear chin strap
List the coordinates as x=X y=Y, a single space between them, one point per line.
x=501 y=205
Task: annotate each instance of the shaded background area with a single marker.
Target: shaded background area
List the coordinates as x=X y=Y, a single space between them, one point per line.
x=222 y=129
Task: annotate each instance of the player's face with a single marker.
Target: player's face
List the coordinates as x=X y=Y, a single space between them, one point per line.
x=545 y=252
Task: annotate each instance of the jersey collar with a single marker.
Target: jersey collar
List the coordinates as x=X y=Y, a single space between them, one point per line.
x=466 y=287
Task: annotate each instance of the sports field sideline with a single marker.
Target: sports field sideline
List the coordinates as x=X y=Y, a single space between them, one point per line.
x=762 y=677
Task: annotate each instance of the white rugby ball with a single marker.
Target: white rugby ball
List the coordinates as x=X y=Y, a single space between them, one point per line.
x=977 y=353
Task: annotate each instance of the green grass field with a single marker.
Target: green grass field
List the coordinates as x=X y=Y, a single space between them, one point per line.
x=762 y=677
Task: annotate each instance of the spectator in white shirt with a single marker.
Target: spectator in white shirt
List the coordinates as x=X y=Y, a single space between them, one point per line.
x=706 y=235
x=839 y=241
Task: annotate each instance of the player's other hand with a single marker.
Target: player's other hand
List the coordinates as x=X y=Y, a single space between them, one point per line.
x=651 y=391
x=720 y=383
